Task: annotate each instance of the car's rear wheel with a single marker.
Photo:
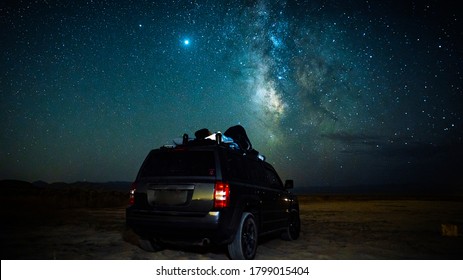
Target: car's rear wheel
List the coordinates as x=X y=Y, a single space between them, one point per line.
x=293 y=229
x=244 y=245
x=149 y=245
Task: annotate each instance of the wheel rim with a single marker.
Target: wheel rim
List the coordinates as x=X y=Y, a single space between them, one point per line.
x=248 y=239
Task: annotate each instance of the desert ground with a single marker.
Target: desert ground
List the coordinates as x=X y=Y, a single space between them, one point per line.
x=346 y=228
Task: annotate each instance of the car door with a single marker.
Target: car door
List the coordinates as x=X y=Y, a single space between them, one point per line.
x=278 y=202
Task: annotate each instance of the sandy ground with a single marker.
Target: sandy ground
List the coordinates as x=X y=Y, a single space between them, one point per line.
x=331 y=229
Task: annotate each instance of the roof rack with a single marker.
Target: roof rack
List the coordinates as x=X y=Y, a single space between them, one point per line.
x=213 y=139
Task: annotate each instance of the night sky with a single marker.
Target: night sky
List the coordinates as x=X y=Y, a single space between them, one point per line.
x=333 y=93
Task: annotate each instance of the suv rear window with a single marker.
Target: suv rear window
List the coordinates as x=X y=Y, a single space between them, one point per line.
x=179 y=163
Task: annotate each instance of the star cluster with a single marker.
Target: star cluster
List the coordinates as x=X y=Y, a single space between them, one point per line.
x=334 y=93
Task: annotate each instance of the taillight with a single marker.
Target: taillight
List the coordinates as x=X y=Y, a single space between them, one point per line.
x=133 y=188
x=221 y=194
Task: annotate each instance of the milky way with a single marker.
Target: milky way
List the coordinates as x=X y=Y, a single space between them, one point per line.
x=334 y=93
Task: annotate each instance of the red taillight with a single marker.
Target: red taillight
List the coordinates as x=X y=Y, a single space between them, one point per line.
x=221 y=194
x=133 y=188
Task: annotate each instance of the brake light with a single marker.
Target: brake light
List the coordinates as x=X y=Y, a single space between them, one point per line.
x=221 y=194
x=133 y=188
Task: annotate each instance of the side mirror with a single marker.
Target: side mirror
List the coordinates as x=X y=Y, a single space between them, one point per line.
x=289 y=184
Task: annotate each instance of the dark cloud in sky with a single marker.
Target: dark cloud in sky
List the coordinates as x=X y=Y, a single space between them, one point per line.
x=334 y=93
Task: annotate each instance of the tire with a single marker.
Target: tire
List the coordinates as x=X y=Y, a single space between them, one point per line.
x=149 y=245
x=244 y=245
x=293 y=229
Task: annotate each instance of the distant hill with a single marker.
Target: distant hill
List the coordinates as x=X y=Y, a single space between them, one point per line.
x=108 y=186
x=399 y=190
x=63 y=195
x=18 y=187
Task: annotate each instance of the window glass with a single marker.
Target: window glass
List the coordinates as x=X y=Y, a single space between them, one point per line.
x=257 y=172
x=179 y=163
x=272 y=179
x=237 y=167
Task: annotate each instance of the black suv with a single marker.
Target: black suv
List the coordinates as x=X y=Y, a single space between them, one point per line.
x=209 y=192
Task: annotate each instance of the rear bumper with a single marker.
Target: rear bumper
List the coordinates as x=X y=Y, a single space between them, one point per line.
x=178 y=226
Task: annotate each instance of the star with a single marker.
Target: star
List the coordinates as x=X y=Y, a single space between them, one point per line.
x=351 y=89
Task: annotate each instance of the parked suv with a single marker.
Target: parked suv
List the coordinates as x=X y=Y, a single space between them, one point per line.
x=204 y=192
